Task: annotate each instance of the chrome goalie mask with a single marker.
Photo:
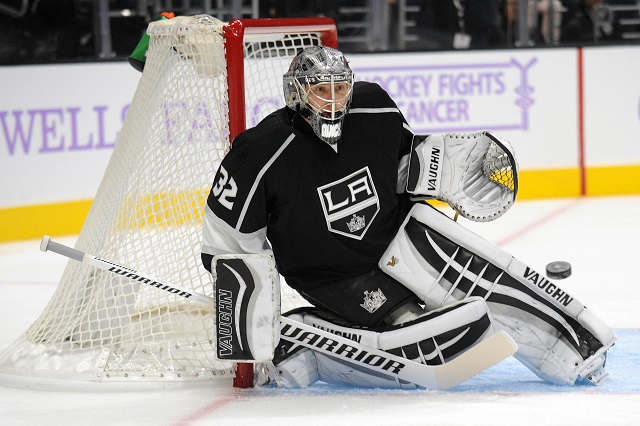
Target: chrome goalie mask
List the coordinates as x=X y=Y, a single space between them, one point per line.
x=319 y=85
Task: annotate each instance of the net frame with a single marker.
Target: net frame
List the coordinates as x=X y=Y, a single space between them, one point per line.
x=197 y=92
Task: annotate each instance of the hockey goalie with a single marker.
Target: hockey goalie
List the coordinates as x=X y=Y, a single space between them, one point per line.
x=332 y=187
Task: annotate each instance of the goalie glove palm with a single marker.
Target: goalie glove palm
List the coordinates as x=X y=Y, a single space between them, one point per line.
x=475 y=173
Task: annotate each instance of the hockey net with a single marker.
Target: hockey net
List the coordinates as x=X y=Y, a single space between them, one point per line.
x=204 y=81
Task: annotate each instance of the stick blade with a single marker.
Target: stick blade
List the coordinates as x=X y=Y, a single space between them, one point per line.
x=482 y=356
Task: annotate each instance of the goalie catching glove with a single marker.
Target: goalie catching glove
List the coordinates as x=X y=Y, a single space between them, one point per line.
x=475 y=173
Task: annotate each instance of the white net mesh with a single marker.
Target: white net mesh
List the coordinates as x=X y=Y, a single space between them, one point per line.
x=147 y=215
x=262 y=53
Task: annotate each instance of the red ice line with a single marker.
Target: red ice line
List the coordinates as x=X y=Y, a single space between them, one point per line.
x=541 y=221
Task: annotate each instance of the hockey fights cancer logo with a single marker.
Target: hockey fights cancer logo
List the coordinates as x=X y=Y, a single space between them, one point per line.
x=350 y=204
x=440 y=98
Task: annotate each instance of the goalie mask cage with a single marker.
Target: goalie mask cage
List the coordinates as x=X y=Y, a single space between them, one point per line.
x=204 y=82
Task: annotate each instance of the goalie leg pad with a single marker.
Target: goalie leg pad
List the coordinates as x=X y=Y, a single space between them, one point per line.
x=431 y=339
x=247 y=307
x=442 y=262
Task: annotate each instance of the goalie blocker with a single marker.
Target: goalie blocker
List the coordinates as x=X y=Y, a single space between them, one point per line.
x=442 y=262
x=246 y=306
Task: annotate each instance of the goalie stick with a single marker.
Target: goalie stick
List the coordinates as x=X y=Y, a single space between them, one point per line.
x=445 y=376
x=482 y=356
x=47 y=245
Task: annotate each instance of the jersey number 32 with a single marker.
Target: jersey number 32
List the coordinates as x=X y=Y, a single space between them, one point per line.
x=225 y=189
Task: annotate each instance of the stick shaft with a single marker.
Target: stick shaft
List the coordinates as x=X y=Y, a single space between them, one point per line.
x=69 y=252
x=80 y=256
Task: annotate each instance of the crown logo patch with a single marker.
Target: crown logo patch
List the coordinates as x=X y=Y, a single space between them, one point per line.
x=356 y=223
x=373 y=300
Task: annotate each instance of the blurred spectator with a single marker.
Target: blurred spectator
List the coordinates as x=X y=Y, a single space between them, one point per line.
x=484 y=24
x=438 y=22
x=546 y=15
x=480 y=20
x=298 y=9
x=544 y=20
x=577 y=25
x=49 y=31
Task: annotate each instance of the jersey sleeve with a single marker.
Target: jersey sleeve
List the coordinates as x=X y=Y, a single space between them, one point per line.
x=235 y=216
x=403 y=163
x=404 y=152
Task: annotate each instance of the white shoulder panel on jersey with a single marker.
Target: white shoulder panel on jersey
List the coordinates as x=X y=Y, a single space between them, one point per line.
x=221 y=238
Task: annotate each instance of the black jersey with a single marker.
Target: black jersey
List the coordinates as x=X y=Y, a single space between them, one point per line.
x=326 y=214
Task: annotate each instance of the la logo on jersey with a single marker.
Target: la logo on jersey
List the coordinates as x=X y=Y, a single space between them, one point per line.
x=350 y=204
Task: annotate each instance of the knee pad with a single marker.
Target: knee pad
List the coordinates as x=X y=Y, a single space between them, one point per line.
x=442 y=262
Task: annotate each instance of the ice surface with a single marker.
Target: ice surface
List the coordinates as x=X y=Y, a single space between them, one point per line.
x=598 y=236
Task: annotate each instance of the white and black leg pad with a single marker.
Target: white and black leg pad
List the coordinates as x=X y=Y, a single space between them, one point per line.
x=431 y=339
x=247 y=307
x=442 y=262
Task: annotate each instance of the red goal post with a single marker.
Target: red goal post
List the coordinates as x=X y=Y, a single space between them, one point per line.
x=234 y=34
x=204 y=81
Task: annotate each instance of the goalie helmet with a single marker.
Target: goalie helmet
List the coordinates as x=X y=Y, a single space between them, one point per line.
x=319 y=85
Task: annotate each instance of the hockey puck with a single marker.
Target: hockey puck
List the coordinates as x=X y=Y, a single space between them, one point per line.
x=558 y=270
